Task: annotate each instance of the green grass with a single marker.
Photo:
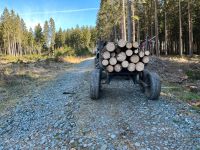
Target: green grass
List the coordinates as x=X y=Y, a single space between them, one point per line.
x=193 y=74
x=181 y=93
x=190 y=96
x=20 y=59
x=196 y=108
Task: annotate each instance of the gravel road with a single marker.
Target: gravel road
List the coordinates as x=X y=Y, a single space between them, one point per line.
x=60 y=115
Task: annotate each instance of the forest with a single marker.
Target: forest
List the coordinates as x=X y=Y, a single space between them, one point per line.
x=171 y=25
x=16 y=39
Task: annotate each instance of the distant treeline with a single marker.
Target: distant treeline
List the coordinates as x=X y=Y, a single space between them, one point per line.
x=16 y=39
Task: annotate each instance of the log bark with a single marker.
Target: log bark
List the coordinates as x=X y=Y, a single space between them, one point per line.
x=118 y=68
x=110 y=68
x=141 y=54
x=121 y=57
x=125 y=64
x=106 y=55
x=110 y=46
x=129 y=45
x=105 y=62
x=135 y=59
x=131 y=67
x=129 y=52
x=147 y=53
x=113 y=61
x=121 y=43
x=139 y=66
x=135 y=45
x=145 y=59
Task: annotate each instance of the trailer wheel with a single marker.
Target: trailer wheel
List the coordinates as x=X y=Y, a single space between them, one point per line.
x=96 y=63
x=95 y=84
x=143 y=76
x=153 y=88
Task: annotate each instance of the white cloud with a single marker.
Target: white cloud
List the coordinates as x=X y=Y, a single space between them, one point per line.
x=57 y=11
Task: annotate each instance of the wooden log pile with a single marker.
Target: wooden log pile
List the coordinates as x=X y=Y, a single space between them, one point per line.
x=123 y=55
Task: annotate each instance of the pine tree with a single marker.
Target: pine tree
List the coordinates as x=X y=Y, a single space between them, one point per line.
x=39 y=38
x=52 y=33
x=46 y=35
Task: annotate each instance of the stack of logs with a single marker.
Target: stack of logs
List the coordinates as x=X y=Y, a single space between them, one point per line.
x=124 y=56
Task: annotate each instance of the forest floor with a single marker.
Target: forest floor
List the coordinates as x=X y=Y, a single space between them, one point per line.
x=46 y=104
x=180 y=77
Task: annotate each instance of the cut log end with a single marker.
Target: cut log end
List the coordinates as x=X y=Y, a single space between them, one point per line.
x=139 y=66
x=113 y=61
x=136 y=51
x=118 y=68
x=121 y=57
x=106 y=55
x=121 y=43
x=110 y=46
x=110 y=68
x=129 y=45
x=131 y=67
x=147 y=53
x=135 y=59
x=125 y=64
x=145 y=59
x=129 y=52
x=141 y=54
x=105 y=62
x=135 y=45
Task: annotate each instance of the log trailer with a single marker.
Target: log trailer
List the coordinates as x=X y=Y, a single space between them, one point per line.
x=124 y=59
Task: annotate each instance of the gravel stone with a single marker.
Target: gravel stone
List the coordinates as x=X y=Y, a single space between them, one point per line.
x=122 y=119
x=137 y=144
x=103 y=147
x=113 y=136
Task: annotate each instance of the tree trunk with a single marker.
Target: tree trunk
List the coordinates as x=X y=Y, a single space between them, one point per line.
x=133 y=20
x=138 y=32
x=190 y=30
x=123 y=22
x=129 y=21
x=180 y=31
x=156 y=28
x=166 y=34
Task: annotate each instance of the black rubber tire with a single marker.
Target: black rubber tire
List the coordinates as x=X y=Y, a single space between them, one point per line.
x=153 y=90
x=143 y=76
x=95 y=84
x=96 y=63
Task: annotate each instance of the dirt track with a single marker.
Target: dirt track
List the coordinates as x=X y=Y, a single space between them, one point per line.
x=122 y=119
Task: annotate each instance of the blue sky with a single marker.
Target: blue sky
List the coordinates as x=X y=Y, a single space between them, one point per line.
x=66 y=13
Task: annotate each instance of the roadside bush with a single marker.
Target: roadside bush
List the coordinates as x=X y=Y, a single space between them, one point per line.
x=64 y=51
